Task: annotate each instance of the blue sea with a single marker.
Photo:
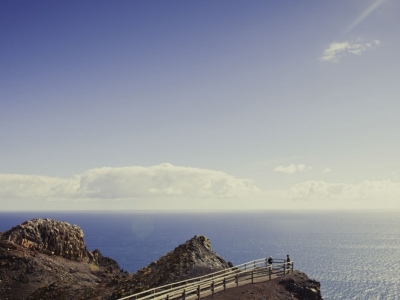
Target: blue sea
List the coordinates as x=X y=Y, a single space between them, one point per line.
x=355 y=255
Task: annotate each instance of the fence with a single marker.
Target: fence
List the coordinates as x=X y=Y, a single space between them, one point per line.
x=202 y=286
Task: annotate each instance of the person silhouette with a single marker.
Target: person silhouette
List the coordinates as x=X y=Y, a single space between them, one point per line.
x=288 y=261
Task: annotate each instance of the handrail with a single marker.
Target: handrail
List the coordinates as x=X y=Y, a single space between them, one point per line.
x=181 y=288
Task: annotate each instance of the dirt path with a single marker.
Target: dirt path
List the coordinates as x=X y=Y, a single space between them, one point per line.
x=275 y=289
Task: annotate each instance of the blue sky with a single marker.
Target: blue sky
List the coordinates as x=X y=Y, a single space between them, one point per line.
x=199 y=104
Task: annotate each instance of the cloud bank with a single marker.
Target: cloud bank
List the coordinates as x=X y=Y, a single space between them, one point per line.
x=378 y=191
x=164 y=180
x=169 y=187
x=336 y=50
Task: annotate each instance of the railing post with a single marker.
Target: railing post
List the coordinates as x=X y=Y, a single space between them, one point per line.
x=212 y=288
x=245 y=267
x=237 y=280
x=252 y=276
x=292 y=267
x=184 y=294
x=224 y=284
x=167 y=297
x=284 y=269
x=269 y=272
x=254 y=264
x=198 y=292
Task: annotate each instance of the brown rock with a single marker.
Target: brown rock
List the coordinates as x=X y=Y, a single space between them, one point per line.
x=50 y=237
x=47 y=259
x=192 y=259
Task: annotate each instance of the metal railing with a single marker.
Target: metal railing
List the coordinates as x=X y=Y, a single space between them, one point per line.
x=205 y=285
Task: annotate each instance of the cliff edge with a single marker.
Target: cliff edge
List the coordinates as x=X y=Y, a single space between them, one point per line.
x=291 y=287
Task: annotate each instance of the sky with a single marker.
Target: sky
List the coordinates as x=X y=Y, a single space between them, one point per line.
x=199 y=105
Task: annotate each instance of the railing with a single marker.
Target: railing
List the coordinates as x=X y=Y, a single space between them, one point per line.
x=209 y=284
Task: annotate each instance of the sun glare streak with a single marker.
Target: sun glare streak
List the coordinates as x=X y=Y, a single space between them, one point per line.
x=365 y=14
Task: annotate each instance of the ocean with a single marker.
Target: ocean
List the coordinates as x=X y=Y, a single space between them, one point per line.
x=354 y=254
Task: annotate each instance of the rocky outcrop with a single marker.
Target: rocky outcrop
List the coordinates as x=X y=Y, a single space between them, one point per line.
x=50 y=237
x=302 y=287
x=192 y=259
x=47 y=259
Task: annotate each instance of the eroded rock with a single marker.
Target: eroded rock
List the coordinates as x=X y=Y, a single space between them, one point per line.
x=48 y=259
x=50 y=237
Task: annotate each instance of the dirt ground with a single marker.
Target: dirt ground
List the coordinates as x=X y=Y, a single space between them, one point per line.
x=268 y=290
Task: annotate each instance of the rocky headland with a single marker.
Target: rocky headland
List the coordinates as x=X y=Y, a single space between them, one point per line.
x=48 y=259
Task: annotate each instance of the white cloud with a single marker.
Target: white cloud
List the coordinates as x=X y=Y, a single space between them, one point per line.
x=327 y=170
x=164 y=180
x=292 y=168
x=35 y=186
x=336 y=50
x=378 y=191
x=168 y=187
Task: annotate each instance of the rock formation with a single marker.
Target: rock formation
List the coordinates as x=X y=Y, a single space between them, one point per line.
x=47 y=259
x=50 y=237
x=302 y=287
x=192 y=259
